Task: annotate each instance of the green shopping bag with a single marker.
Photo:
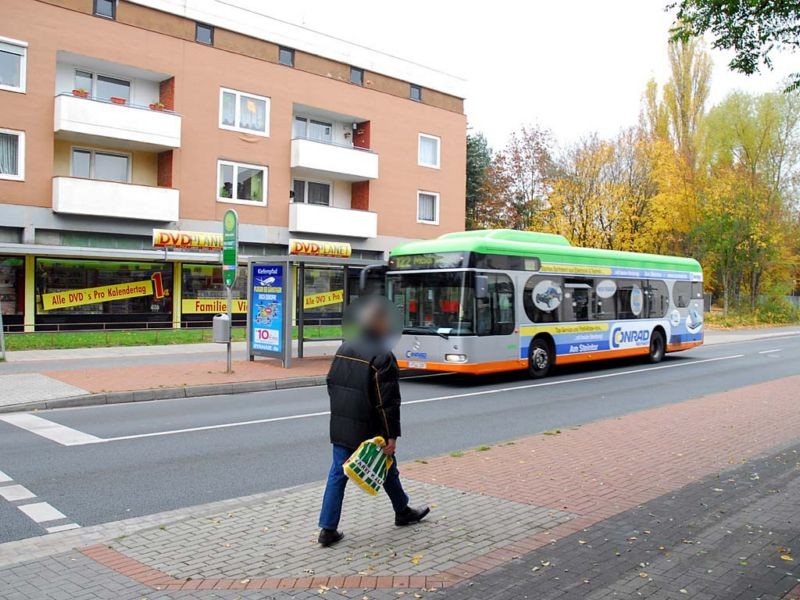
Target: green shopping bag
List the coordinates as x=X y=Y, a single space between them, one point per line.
x=368 y=465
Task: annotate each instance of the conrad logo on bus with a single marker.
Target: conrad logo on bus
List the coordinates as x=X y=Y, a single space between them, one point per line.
x=640 y=337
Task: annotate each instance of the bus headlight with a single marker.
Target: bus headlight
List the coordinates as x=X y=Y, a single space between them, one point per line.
x=455 y=358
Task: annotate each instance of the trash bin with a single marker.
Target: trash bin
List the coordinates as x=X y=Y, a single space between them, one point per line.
x=221 y=329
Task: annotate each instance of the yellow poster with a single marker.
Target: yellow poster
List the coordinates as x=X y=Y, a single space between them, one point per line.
x=203 y=306
x=105 y=293
x=323 y=299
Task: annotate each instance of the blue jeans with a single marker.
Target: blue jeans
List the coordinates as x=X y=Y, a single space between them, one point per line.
x=334 y=490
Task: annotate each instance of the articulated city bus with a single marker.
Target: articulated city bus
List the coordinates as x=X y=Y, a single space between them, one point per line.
x=499 y=300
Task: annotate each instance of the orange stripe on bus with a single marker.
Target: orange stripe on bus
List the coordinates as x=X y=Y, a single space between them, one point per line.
x=683 y=346
x=473 y=368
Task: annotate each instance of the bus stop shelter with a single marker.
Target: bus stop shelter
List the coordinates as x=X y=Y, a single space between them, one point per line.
x=276 y=299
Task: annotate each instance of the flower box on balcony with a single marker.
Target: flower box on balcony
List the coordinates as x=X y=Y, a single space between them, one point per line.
x=80 y=93
x=118 y=100
x=158 y=106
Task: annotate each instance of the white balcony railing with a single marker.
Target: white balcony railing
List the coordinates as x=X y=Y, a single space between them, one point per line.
x=98 y=121
x=345 y=163
x=327 y=220
x=76 y=196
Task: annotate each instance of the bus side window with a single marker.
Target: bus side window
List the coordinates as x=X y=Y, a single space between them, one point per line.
x=697 y=290
x=578 y=299
x=682 y=293
x=543 y=298
x=630 y=299
x=605 y=304
x=656 y=297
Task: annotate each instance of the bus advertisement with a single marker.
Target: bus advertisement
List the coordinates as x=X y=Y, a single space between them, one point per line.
x=499 y=300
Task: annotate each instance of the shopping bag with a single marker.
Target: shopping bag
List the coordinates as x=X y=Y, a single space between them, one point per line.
x=368 y=465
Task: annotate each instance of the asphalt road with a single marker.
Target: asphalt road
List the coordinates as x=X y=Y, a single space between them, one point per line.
x=106 y=463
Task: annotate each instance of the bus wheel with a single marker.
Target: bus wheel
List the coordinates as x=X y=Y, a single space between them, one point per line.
x=540 y=358
x=657 y=347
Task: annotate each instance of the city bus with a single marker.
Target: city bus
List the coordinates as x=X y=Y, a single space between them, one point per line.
x=500 y=300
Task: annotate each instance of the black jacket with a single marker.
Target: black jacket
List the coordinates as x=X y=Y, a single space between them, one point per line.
x=364 y=390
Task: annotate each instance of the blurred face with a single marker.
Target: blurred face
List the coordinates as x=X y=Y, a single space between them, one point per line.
x=375 y=317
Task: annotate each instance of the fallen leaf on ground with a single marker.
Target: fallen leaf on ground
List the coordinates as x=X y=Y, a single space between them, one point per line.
x=416 y=558
x=786 y=557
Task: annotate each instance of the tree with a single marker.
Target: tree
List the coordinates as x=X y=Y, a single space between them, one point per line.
x=753 y=29
x=479 y=159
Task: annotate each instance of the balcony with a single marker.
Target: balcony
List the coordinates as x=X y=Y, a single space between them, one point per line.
x=76 y=196
x=312 y=158
x=327 y=220
x=116 y=125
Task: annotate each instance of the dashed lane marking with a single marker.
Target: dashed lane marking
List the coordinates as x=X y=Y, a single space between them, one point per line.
x=15 y=493
x=4 y=478
x=770 y=351
x=66 y=436
x=42 y=512
x=58 y=528
x=39 y=512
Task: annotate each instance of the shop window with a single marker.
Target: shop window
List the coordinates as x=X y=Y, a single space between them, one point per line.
x=542 y=297
x=682 y=293
x=241 y=183
x=495 y=314
x=99 y=290
x=239 y=111
x=12 y=290
x=323 y=291
x=656 y=299
x=204 y=294
x=13 y=58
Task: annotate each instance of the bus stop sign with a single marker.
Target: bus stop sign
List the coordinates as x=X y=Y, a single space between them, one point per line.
x=230 y=246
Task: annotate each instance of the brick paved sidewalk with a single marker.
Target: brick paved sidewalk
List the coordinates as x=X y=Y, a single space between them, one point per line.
x=673 y=502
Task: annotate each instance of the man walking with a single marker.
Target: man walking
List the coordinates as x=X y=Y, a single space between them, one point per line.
x=364 y=391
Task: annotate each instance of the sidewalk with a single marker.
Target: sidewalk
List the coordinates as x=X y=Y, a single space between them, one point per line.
x=693 y=500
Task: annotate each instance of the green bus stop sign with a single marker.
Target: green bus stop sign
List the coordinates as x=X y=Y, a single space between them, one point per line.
x=230 y=246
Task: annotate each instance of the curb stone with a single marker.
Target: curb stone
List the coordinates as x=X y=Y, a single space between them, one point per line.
x=193 y=391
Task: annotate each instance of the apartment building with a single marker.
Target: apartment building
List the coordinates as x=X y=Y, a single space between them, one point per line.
x=121 y=117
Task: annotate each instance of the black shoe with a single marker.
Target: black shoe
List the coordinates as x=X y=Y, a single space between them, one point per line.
x=328 y=537
x=409 y=516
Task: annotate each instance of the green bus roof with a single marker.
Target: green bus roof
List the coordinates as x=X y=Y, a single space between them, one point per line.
x=548 y=247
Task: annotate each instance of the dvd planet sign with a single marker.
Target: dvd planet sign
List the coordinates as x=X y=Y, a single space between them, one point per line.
x=315 y=248
x=195 y=240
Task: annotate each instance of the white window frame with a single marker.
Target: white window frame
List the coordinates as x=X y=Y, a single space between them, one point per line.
x=93 y=152
x=23 y=65
x=438 y=150
x=236 y=164
x=307 y=123
x=20 y=175
x=436 y=211
x=237 y=112
x=320 y=181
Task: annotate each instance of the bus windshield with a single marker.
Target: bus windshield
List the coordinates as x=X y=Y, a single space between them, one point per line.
x=440 y=303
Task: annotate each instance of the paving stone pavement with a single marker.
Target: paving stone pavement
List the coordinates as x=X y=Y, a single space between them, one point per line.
x=277 y=538
x=21 y=387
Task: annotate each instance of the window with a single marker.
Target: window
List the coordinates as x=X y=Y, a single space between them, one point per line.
x=105 y=8
x=312 y=129
x=103 y=87
x=286 y=56
x=682 y=293
x=96 y=164
x=241 y=183
x=312 y=192
x=428 y=151
x=12 y=155
x=13 y=55
x=697 y=290
x=542 y=298
x=204 y=34
x=579 y=299
x=428 y=208
x=356 y=75
x=244 y=112
x=630 y=299
x=495 y=314
x=656 y=299
x=415 y=93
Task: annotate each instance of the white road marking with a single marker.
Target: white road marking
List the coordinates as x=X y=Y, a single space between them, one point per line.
x=14 y=493
x=4 y=478
x=770 y=351
x=58 y=528
x=66 y=436
x=136 y=436
x=42 y=512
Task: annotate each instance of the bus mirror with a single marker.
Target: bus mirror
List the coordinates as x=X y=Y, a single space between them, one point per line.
x=481 y=287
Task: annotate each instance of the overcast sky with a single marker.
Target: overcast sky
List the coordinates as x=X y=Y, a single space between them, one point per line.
x=573 y=66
